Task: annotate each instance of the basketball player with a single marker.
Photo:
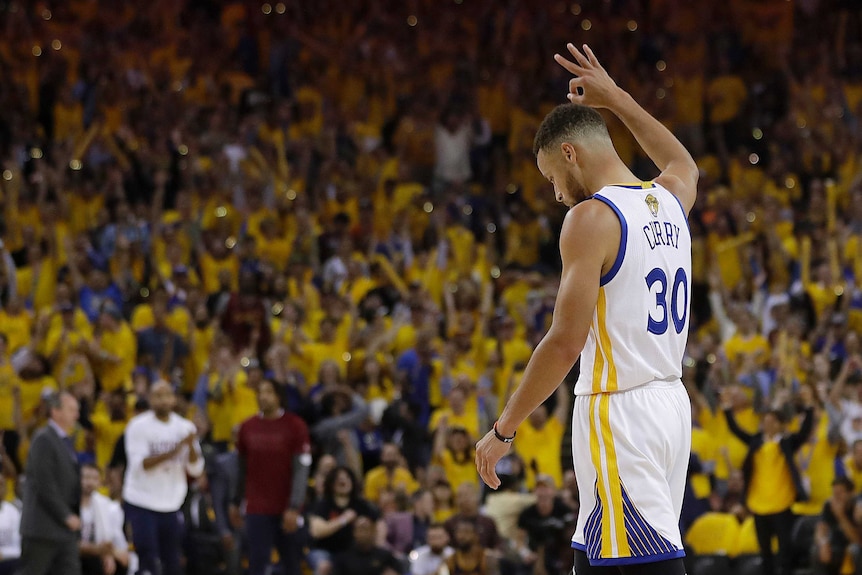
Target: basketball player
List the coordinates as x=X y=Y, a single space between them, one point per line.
x=623 y=307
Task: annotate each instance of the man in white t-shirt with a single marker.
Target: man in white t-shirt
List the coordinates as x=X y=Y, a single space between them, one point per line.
x=428 y=559
x=161 y=449
x=10 y=538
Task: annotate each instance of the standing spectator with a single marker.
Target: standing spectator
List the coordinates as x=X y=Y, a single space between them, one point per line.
x=330 y=520
x=223 y=478
x=274 y=462
x=104 y=550
x=10 y=536
x=52 y=495
x=427 y=559
x=772 y=480
x=836 y=529
x=452 y=139
x=204 y=547
x=416 y=371
x=161 y=449
x=365 y=557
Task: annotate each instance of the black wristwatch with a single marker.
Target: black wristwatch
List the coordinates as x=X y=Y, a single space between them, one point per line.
x=503 y=438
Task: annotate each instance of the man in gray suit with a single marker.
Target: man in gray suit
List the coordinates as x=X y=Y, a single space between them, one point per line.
x=50 y=524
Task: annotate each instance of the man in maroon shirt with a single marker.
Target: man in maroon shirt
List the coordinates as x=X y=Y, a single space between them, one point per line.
x=274 y=460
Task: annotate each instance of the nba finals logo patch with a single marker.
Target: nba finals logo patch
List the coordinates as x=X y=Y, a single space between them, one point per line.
x=652 y=204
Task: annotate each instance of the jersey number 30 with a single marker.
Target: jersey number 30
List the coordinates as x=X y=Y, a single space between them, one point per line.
x=677 y=313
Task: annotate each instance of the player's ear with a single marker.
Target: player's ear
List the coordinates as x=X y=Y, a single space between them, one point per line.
x=568 y=151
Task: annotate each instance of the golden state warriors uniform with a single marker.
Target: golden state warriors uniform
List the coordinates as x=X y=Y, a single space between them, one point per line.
x=632 y=418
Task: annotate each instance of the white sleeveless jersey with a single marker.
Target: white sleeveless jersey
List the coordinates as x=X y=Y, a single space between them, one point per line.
x=640 y=326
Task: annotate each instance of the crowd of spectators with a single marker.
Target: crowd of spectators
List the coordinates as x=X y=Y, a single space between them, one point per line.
x=341 y=199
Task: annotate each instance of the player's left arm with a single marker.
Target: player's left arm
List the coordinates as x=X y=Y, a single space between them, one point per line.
x=589 y=238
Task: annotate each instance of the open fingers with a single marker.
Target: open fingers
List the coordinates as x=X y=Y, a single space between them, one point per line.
x=582 y=60
x=568 y=65
x=592 y=57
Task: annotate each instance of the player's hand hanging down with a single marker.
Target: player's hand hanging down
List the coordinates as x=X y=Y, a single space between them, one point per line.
x=593 y=86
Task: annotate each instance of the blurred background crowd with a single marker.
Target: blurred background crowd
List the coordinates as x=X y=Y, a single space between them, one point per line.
x=341 y=199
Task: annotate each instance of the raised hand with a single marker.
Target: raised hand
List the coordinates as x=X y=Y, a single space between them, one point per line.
x=593 y=86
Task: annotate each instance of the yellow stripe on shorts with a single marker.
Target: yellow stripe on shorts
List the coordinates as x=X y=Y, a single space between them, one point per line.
x=603 y=453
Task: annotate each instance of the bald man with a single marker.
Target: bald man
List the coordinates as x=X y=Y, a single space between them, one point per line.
x=162 y=449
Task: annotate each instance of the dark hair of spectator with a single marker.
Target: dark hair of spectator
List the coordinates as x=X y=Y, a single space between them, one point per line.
x=332 y=477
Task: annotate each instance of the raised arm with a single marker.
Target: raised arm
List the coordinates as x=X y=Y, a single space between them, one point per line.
x=679 y=172
x=734 y=428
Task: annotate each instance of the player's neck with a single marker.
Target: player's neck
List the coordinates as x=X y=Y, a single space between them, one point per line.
x=608 y=170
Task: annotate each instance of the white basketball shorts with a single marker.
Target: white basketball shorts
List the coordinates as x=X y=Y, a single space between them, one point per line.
x=631 y=450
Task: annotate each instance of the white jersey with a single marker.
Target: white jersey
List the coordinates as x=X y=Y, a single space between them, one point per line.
x=162 y=488
x=10 y=530
x=640 y=326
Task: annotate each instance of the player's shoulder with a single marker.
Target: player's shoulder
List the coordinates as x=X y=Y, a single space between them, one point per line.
x=591 y=224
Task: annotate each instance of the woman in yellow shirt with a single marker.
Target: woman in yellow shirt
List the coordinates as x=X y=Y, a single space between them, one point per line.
x=453 y=451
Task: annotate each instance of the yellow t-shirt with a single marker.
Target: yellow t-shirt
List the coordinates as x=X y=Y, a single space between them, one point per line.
x=38 y=285
x=458 y=472
x=523 y=242
x=746 y=540
x=468 y=420
x=716 y=426
x=740 y=346
x=31 y=393
x=227 y=403
x=713 y=534
x=377 y=480
x=106 y=433
x=211 y=267
x=726 y=95
x=771 y=489
x=16 y=328
x=822 y=297
x=8 y=381
x=704 y=445
x=61 y=349
x=177 y=319
x=816 y=463
x=314 y=354
x=542 y=447
x=689 y=92
x=275 y=251
x=84 y=212
x=124 y=345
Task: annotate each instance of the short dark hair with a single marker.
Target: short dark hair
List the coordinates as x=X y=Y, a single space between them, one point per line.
x=332 y=476
x=778 y=414
x=568 y=121
x=845 y=481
